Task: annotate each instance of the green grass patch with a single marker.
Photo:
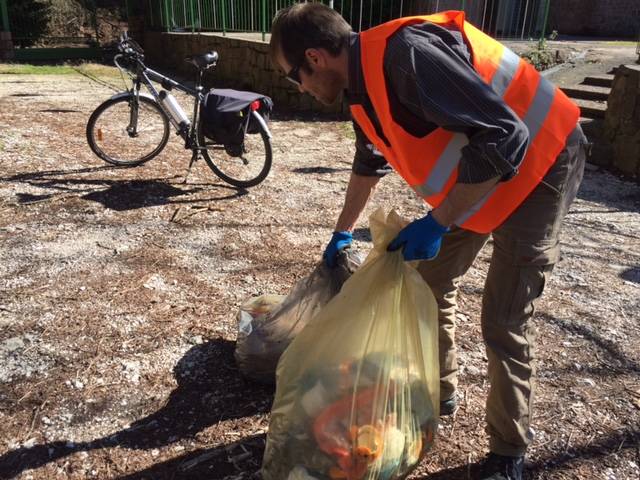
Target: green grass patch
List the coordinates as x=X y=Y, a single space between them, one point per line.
x=99 y=70
x=27 y=69
x=622 y=43
x=347 y=130
x=93 y=69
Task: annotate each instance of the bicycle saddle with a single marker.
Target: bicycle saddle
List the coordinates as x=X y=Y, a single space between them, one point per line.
x=204 y=60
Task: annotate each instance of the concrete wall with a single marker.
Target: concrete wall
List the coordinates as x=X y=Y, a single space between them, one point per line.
x=603 y=18
x=244 y=64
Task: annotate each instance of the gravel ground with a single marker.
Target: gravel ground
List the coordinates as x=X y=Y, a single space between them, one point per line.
x=119 y=290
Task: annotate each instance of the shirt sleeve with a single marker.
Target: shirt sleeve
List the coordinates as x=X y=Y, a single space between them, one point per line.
x=432 y=76
x=368 y=161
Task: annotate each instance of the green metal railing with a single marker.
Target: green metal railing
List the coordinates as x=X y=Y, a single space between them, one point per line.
x=518 y=19
x=4 y=16
x=213 y=15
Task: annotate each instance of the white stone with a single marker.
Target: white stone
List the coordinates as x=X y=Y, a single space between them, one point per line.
x=29 y=443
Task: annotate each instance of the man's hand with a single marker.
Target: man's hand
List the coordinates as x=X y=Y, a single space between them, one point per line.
x=420 y=240
x=339 y=241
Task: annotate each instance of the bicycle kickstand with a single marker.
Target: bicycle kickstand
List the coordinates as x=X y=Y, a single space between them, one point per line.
x=194 y=158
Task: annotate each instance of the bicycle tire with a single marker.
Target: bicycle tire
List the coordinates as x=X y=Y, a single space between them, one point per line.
x=91 y=134
x=252 y=182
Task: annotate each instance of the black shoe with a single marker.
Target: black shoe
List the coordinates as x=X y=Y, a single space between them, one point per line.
x=500 y=467
x=447 y=407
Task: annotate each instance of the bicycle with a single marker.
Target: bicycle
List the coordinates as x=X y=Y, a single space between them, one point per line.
x=132 y=127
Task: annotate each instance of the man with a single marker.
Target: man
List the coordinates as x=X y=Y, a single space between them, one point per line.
x=487 y=142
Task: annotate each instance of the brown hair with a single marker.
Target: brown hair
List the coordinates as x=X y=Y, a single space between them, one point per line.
x=307 y=25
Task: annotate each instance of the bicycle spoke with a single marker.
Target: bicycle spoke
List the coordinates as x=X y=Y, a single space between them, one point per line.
x=244 y=167
x=113 y=136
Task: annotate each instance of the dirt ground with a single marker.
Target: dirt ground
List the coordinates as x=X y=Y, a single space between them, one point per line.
x=119 y=290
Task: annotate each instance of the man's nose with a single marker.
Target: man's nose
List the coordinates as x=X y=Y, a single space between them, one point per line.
x=301 y=88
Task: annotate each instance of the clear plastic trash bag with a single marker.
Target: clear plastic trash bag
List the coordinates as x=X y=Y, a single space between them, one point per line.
x=267 y=324
x=357 y=392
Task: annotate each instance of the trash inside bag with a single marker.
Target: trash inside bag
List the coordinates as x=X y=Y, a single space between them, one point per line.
x=267 y=324
x=357 y=393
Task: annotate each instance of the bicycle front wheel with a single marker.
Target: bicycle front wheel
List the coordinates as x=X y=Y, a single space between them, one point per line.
x=126 y=132
x=245 y=168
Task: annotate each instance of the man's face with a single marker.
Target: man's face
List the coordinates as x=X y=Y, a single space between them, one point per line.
x=319 y=79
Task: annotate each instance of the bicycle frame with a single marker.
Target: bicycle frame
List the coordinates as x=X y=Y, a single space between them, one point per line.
x=211 y=133
x=145 y=76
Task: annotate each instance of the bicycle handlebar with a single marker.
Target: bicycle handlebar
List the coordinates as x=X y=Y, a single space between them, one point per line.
x=129 y=47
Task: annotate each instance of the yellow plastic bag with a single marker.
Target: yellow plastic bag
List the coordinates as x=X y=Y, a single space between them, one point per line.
x=357 y=392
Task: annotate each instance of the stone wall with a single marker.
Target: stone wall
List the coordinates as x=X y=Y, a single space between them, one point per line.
x=602 y=18
x=244 y=64
x=622 y=120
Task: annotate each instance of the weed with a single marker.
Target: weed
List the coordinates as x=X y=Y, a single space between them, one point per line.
x=542 y=57
x=347 y=130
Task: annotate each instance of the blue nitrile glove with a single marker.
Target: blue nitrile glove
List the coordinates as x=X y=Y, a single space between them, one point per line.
x=339 y=241
x=420 y=240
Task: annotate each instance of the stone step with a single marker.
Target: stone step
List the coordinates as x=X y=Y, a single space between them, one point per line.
x=591 y=108
x=604 y=80
x=587 y=92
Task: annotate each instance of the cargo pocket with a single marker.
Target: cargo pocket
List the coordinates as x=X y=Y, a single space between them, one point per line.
x=533 y=264
x=557 y=178
x=531 y=282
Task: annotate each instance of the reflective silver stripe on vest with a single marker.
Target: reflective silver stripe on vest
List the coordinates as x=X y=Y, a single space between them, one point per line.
x=450 y=157
x=446 y=164
x=534 y=119
x=539 y=108
x=506 y=71
x=473 y=210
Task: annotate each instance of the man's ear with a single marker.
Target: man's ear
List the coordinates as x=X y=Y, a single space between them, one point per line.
x=315 y=57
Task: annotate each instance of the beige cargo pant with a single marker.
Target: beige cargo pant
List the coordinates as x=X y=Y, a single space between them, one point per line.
x=525 y=249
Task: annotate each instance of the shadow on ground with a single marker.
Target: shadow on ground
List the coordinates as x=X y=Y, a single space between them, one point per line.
x=227 y=460
x=119 y=195
x=319 y=170
x=210 y=390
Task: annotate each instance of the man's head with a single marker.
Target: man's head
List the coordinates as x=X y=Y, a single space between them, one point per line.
x=308 y=42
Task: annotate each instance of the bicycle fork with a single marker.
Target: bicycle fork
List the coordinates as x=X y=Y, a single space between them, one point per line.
x=134 y=106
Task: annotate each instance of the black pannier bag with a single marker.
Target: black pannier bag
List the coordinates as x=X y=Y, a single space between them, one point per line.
x=224 y=114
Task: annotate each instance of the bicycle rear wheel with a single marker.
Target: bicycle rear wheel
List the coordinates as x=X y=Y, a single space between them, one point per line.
x=246 y=170
x=127 y=133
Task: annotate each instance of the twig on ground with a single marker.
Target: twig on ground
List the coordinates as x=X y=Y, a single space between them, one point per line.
x=568 y=444
x=195 y=209
x=36 y=411
x=33 y=389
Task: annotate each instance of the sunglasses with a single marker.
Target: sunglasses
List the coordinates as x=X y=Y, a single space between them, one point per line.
x=294 y=76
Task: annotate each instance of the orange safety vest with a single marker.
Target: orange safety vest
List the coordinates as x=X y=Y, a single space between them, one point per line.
x=430 y=164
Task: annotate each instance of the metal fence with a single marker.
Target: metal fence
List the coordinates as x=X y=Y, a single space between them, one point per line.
x=515 y=19
x=212 y=15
